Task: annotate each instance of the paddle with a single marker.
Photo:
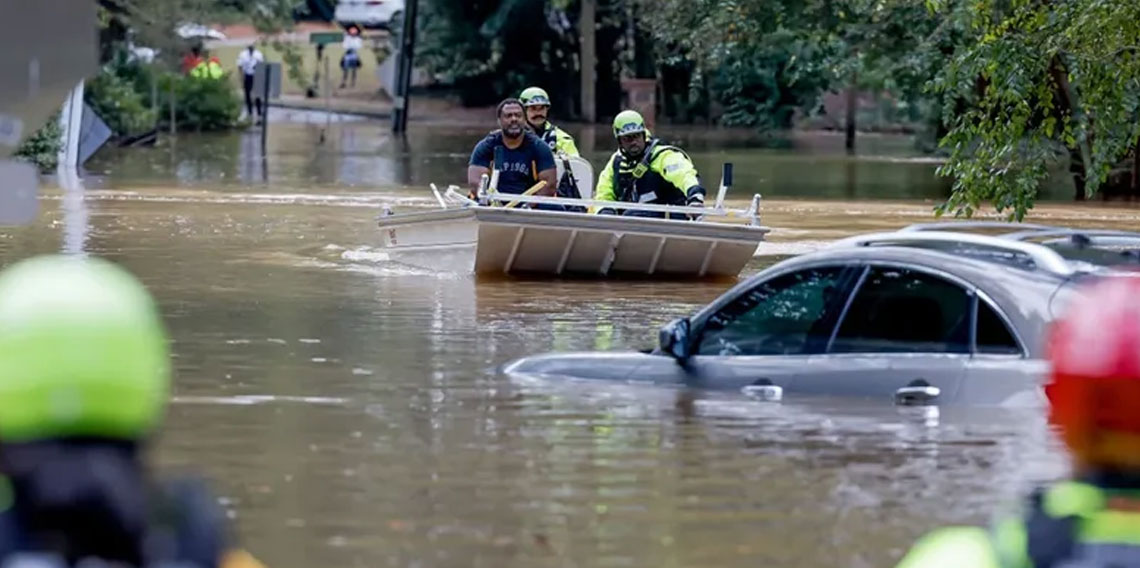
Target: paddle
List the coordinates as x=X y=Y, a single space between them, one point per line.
x=530 y=191
x=498 y=167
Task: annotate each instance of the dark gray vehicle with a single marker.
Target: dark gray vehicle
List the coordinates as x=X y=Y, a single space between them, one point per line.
x=932 y=314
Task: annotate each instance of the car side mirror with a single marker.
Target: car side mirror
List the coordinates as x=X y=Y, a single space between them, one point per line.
x=673 y=339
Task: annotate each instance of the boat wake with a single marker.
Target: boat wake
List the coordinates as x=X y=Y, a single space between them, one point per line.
x=790 y=248
x=362 y=259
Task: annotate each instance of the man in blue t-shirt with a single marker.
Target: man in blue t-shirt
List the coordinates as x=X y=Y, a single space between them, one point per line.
x=526 y=158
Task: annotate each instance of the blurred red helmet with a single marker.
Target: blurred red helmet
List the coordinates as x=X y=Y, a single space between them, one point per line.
x=1094 y=380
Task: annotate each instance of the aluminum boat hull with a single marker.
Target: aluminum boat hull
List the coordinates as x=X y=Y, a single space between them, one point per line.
x=496 y=240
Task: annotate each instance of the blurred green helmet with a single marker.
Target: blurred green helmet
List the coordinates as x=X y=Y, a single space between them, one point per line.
x=534 y=96
x=628 y=122
x=83 y=351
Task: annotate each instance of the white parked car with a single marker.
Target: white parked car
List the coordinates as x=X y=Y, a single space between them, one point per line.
x=386 y=14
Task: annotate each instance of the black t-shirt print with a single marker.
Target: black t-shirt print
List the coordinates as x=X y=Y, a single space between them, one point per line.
x=520 y=165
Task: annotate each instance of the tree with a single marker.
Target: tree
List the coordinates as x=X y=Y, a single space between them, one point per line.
x=153 y=23
x=491 y=49
x=893 y=46
x=749 y=57
x=1044 y=81
x=762 y=59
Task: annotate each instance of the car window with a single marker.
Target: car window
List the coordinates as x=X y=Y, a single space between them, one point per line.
x=789 y=314
x=902 y=310
x=993 y=335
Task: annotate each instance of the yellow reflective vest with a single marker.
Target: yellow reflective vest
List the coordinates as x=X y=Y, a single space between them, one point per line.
x=1070 y=524
x=208 y=69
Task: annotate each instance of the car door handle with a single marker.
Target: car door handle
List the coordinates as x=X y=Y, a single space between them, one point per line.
x=764 y=389
x=917 y=393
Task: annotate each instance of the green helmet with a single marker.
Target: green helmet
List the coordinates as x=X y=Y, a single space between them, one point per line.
x=534 y=96
x=83 y=351
x=628 y=122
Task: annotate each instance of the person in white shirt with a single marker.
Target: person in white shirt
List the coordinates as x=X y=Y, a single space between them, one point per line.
x=350 y=62
x=247 y=61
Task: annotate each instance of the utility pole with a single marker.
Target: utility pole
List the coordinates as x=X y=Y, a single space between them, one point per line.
x=588 y=59
x=404 y=67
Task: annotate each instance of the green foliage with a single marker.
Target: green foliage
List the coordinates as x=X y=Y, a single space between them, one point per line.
x=1042 y=81
x=491 y=49
x=1012 y=89
x=767 y=59
x=199 y=104
x=153 y=22
x=121 y=94
x=293 y=61
x=118 y=101
x=43 y=146
x=762 y=88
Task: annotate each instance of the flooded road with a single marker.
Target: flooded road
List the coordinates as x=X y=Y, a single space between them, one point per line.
x=349 y=411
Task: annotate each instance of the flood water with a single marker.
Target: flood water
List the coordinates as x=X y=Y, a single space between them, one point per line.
x=349 y=410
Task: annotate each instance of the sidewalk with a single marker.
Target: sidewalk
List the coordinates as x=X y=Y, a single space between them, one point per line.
x=365 y=98
x=424 y=109
x=379 y=107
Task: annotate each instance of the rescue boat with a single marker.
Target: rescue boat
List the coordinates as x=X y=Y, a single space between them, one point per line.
x=489 y=235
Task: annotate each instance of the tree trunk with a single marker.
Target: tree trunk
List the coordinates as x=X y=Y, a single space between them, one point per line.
x=1136 y=169
x=1078 y=171
x=1070 y=106
x=852 y=102
x=588 y=55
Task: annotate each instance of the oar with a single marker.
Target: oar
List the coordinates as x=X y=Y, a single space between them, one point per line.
x=530 y=191
x=494 y=187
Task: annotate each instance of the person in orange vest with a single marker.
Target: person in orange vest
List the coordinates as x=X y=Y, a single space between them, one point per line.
x=84 y=378
x=1093 y=389
x=191 y=60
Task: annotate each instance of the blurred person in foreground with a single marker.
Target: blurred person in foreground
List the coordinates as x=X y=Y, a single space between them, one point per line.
x=84 y=379
x=1093 y=518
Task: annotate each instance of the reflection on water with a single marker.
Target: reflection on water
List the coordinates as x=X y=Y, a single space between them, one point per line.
x=350 y=412
x=366 y=154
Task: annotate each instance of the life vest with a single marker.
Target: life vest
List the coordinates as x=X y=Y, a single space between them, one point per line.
x=1070 y=525
x=1073 y=525
x=187 y=531
x=558 y=140
x=641 y=182
x=550 y=136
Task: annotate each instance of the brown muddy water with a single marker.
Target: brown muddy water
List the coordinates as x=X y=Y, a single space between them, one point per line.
x=349 y=412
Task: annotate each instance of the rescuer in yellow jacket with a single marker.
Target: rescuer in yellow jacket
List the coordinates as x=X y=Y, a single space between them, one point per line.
x=537 y=105
x=84 y=378
x=646 y=171
x=208 y=68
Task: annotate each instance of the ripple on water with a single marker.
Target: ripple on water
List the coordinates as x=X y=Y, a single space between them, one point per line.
x=403 y=446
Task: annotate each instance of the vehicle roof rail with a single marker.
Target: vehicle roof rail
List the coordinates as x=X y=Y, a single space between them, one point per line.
x=1069 y=232
x=964 y=225
x=1043 y=257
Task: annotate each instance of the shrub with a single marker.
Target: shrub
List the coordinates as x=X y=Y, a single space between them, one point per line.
x=116 y=100
x=43 y=146
x=199 y=104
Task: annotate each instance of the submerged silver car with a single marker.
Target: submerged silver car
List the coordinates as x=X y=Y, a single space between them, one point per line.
x=937 y=313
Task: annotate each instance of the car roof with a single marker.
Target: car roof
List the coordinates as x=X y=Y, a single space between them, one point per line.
x=1021 y=278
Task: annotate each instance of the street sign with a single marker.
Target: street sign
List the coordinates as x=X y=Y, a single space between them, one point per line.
x=321 y=38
